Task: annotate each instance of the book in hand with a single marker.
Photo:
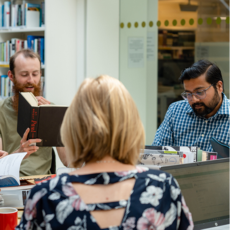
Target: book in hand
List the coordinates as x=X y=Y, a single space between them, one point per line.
x=9 y=170
x=44 y=121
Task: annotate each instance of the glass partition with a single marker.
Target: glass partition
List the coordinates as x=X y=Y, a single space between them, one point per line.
x=158 y=39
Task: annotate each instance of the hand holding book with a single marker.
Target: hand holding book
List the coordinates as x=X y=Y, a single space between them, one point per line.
x=3 y=154
x=27 y=145
x=42 y=101
x=43 y=119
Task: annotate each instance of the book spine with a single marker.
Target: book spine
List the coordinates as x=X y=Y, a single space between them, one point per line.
x=5 y=87
x=42 y=50
x=35 y=45
x=43 y=13
x=3 y=15
x=25 y=14
x=2 y=85
x=12 y=14
x=29 y=41
x=13 y=47
x=25 y=44
x=7 y=14
x=15 y=14
x=34 y=123
x=39 y=46
x=0 y=15
x=17 y=45
x=4 y=52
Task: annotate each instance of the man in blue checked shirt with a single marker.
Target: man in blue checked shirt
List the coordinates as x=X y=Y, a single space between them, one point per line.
x=204 y=112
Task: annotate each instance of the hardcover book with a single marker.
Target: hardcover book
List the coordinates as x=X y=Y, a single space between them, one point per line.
x=44 y=121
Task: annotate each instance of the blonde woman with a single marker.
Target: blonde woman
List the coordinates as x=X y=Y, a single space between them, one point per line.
x=103 y=135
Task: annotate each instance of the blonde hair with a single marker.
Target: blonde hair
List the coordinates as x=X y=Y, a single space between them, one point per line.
x=102 y=120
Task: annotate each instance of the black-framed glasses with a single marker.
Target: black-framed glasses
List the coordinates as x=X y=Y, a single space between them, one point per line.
x=198 y=94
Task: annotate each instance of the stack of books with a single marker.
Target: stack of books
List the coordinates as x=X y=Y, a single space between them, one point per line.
x=8 y=48
x=6 y=86
x=22 y=15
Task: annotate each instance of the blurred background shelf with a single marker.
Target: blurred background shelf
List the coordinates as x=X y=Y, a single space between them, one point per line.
x=21 y=30
x=6 y=65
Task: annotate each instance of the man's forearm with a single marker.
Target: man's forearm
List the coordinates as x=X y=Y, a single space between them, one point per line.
x=62 y=155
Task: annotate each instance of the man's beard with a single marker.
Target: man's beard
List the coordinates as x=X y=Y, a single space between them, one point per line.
x=207 y=109
x=21 y=88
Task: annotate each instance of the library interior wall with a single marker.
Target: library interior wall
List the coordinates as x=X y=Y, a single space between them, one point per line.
x=65 y=51
x=105 y=51
x=141 y=82
x=102 y=38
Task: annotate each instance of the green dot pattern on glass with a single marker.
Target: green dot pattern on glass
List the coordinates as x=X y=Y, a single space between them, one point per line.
x=174 y=22
x=209 y=21
x=151 y=24
x=200 y=21
x=218 y=20
x=166 y=22
x=182 y=22
x=191 y=21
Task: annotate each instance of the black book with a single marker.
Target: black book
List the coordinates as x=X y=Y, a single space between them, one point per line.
x=44 y=121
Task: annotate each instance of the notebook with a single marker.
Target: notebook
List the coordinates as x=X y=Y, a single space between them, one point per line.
x=205 y=187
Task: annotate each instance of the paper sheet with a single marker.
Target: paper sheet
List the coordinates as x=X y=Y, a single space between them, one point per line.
x=10 y=165
x=159 y=159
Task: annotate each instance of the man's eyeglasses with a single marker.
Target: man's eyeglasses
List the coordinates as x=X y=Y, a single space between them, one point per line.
x=199 y=94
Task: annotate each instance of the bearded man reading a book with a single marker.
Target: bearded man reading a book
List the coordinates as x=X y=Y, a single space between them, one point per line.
x=25 y=73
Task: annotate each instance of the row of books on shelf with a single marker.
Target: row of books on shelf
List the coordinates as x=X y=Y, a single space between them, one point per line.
x=25 y=14
x=8 y=48
x=6 y=86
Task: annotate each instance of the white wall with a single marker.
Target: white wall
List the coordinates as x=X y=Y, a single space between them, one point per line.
x=102 y=38
x=141 y=82
x=65 y=51
x=64 y=41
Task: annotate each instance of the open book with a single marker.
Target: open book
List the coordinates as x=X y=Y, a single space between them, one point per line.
x=9 y=170
x=44 y=121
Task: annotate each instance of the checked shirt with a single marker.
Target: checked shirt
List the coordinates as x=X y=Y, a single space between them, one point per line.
x=181 y=127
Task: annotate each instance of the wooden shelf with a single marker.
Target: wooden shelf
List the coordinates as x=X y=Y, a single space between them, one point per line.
x=176 y=47
x=21 y=29
x=5 y=65
x=177 y=28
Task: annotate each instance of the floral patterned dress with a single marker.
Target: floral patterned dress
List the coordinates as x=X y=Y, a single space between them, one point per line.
x=155 y=203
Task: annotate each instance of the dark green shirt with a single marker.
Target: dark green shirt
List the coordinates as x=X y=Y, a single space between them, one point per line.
x=38 y=163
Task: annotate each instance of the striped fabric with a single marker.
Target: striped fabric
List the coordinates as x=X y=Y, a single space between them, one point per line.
x=181 y=127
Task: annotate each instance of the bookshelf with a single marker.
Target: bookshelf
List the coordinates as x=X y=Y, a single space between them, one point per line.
x=6 y=65
x=21 y=30
x=9 y=29
x=64 y=33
